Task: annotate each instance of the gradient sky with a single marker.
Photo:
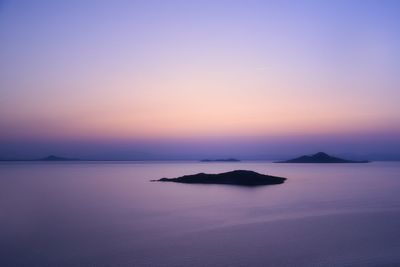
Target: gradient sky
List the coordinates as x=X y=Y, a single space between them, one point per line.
x=188 y=79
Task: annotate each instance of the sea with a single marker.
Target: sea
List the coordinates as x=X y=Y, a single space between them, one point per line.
x=110 y=214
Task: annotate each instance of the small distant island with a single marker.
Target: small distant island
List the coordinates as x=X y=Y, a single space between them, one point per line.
x=220 y=160
x=320 y=157
x=238 y=177
x=56 y=158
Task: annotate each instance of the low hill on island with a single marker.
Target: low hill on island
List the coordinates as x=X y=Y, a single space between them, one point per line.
x=220 y=160
x=56 y=158
x=320 y=157
x=238 y=177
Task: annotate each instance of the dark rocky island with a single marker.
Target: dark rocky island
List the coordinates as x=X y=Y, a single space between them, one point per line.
x=238 y=177
x=220 y=160
x=320 y=157
x=56 y=158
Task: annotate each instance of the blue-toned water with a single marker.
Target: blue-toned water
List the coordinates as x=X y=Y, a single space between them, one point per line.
x=109 y=214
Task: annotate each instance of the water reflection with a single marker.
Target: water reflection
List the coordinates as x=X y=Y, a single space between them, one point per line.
x=85 y=214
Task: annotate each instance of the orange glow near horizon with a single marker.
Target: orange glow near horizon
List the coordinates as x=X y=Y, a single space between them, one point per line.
x=182 y=76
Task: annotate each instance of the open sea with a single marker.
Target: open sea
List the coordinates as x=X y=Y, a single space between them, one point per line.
x=109 y=214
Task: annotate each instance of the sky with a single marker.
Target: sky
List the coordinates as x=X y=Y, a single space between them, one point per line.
x=191 y=79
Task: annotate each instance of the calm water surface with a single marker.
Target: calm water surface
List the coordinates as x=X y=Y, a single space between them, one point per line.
x=109 y=214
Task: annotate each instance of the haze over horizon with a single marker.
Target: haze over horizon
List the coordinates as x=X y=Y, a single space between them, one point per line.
x=199 y=79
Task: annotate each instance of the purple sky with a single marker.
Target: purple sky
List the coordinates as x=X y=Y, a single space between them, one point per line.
x=192 y=79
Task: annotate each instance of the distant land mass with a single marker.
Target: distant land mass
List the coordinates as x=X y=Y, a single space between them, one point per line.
x=220 y=160
x=56 y=158
x=238 y=177
x=320 y=157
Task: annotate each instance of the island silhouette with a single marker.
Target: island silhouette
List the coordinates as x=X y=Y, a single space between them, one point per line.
x=220 y=160
x=56 y=158
x=320 y=157
x=237 y=177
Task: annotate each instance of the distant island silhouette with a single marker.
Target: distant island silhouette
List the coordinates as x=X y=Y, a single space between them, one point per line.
x=220 y=160
x=238 y=177
x=56 y=158
x=320 y=157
